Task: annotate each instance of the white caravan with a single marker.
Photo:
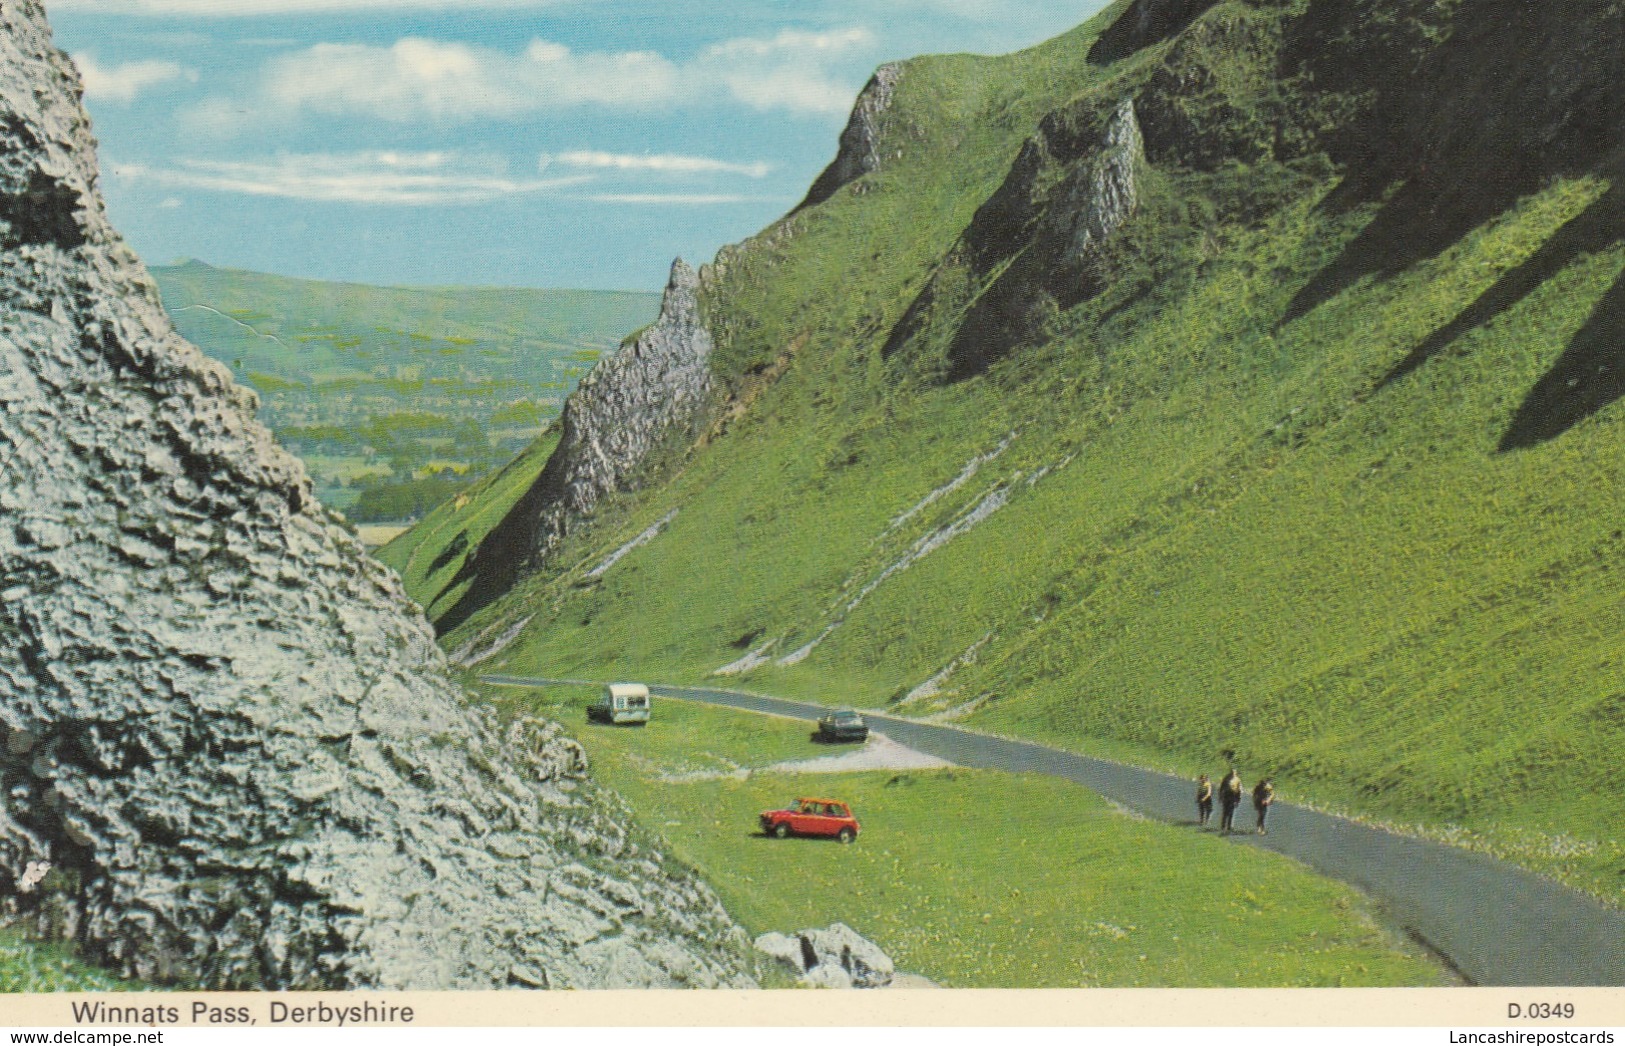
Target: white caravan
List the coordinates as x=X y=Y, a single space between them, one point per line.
x=621 y=703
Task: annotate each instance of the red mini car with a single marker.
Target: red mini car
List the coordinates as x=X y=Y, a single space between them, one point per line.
x=826 y=817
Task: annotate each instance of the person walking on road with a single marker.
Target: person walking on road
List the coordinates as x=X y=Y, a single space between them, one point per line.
x=1204 y=801
x=1263 y=796
x=1229 y=799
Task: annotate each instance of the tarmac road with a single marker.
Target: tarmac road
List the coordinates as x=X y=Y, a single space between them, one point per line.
x=1495 y=923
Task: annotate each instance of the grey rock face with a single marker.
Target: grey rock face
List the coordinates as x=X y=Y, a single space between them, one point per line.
x=1038 y=242
x=625 y=408
x=226 y=728
x=644 y=399
x=859 y=152
x=1103 y=193
x=838 y=957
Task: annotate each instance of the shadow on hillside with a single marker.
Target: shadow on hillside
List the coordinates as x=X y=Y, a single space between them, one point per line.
x=1516 y=94
x=1588 y=377
x=1428 y=213
x=1143 y=24
x=481 y=594
x=496 y=562
x=1600 y=226
x=454 y=548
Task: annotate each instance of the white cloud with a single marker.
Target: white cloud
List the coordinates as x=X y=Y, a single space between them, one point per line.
x=409 y=179
x=787 y=71
x=663 y=163
x=976 y=10
x=122 y=83
x=417 y=78
x=791 y=42
x=254 y=8
x=672 y=199
x=793 y=89
x=394 y=178
x=422 y=79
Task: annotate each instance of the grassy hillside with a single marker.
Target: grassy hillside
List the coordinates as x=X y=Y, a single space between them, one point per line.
x=430 y=556
x=397 y=397
x=977 y=878
x=30 y=966
x=1310 y=467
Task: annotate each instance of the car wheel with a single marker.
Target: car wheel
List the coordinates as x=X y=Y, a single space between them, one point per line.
x=781 y=831
x=847 y=835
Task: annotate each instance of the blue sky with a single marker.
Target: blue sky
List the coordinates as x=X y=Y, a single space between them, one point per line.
x=548 y=143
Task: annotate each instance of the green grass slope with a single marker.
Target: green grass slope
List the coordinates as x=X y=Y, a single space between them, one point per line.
x=978 y=879
x=1312 y=468
x=30 y=966
x=397 y=397
x=430 y=556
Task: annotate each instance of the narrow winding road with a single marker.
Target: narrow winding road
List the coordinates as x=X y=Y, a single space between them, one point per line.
x=1495 y=923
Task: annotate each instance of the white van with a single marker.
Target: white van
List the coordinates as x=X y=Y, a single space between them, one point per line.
x=621 y=703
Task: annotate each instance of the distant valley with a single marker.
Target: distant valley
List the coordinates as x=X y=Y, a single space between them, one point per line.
x=396 y=397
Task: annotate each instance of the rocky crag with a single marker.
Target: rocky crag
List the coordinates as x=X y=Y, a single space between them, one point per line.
x=655 y=398
x=860 y=149
x=227 y=730
x=838 y=957
x=1035 y=248
x=641 y=402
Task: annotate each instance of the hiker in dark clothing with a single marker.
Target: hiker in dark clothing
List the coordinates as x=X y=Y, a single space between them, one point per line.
x=1263 y=796
x=1204 y=800
x=1229 y=799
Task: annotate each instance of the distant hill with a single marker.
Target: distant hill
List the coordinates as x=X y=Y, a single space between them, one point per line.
x=1219 y=382
x=396 y=397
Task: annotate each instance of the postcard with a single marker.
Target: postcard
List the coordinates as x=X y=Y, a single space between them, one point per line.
x=1006 y=514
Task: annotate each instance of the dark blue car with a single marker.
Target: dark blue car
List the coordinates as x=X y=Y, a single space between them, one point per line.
x=845 y=725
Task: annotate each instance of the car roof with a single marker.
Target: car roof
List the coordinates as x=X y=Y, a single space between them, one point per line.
x=839 y=802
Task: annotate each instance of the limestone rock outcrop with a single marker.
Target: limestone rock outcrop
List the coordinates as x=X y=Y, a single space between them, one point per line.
x=1035 y=249
x=622 y=411
x=644 y=404
x=859 y=153
x=838 y=957
x=651 y=396
x=227 y=729
x=1103 y=193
